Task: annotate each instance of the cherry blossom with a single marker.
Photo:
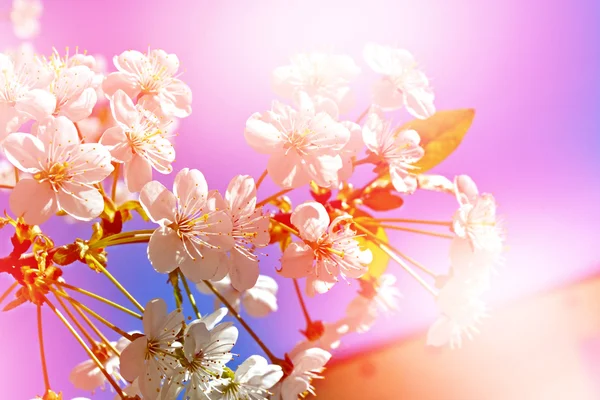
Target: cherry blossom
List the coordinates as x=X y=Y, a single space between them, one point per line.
x=329 y=339
x=476 y=217
x=258 y=301
x=146 y=357
x=23 y=92
x=206 y=351
x=152 y=77
x=251 y=381
x=328 y=249
x=74 y=85
x=460 y=309
x=87 y=376
x=402 y=84
x=96 y=64
x=63 y=173
x=377 y=296
x=319 y=75
x=307 y=365
x=302 y=145
x=398 y=149
x=476 y=265
x=194 y=232
x=137 y=140
x=348 y=154
x=250 y=230
x=25 y=17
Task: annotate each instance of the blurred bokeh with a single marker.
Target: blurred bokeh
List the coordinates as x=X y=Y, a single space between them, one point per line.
x=529 y=68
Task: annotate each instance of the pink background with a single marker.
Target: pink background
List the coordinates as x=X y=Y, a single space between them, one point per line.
x=530 y=69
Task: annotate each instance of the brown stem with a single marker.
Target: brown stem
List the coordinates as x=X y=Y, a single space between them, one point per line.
x=189 y=294
x=261 y=179
x=273 y=197
x=42 y=352
x=237 y=316
x=113 y=191
x=90 y=353
x=302 y=304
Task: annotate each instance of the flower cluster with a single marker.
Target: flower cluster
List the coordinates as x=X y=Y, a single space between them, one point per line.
x=83 y=143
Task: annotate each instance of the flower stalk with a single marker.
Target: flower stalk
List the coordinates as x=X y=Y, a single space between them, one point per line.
x=237 y=316
x=89 y=352
x=117 y=283
x=41 y=343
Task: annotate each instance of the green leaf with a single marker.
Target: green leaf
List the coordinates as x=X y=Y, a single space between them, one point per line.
x=440 y=135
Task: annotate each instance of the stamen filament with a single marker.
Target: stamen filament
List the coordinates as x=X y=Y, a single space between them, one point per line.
x=388 y=250
x=100 y=298
x=420 y=231
x=286 y=227
x=407 y=221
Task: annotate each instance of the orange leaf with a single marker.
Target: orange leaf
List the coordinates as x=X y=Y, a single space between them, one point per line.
x=440 y=135
x=381 y=199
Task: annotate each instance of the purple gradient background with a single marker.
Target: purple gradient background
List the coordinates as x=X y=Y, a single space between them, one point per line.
x=531 y=70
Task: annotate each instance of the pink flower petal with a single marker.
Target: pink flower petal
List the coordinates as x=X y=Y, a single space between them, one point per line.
x=80 y=202
x=244 y=271
x=158 y=202
x=91 y=163
x=241 y=195
x=35 y=202
x=311 y=219
x=190 y=188
x=286 y=170
x=386 y=95
x=165 y=250
x=297 y=261
x=57 y=132
x=262 y=136
x=116 y=142
x=24 y=151
x=132 y=359
x=120 y=81
x=419 y=102
x=177 y=99
x=138 y=172
x=37 y=103
x=202 y=266
x=123 y=109
x=81 y=107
